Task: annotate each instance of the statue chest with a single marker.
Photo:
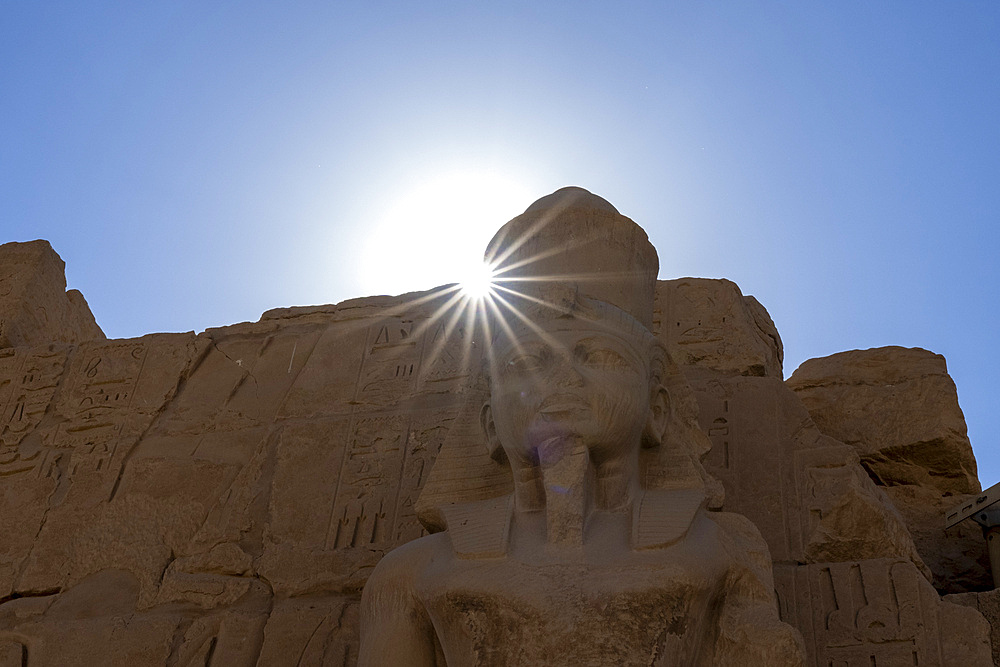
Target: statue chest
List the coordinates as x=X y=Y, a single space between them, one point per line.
x=648 y=611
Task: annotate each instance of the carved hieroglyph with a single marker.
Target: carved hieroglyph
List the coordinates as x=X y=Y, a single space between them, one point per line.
x=833 y=534
x=222 y=498
x=223 y=488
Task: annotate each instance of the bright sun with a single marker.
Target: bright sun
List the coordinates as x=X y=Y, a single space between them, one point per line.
x=435 y=232
x=479 y=281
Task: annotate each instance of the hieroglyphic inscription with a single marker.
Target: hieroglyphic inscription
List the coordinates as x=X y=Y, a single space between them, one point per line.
x=407 y=526
x=95 y=404
x=375 y=459
x=387 y=460
x=364 y=507
x=719 y=422
x=423 y=442
x=391 y=363
x=862 y=613
x=35 y=378
x=750 y=455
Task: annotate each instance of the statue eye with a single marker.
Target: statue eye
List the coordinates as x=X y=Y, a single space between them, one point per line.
x=605 y=358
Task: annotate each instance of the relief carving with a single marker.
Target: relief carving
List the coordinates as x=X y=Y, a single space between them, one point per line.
x=224 y=498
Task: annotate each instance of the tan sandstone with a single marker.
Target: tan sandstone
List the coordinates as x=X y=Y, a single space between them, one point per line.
x=710 y=324
x=222 y=498
x=986 y=603
x=35 y=307
x=899 y=409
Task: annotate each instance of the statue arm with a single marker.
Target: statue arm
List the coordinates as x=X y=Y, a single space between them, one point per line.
x=395 y=627
x=750 y=631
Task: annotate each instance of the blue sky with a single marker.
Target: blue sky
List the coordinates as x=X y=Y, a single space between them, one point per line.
x=195 y=165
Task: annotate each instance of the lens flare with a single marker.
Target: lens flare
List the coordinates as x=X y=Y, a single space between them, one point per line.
x=478 y=284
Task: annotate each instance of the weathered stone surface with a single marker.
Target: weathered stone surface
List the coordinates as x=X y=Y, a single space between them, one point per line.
x=805 y=491
x=986 y=603
x=878 y=612
x=222 y=498
x=98 y=622
x=311 y=631
x=826 y=523
x=957 y=556
x=899 y=409
x=35 y=308
x=210 y=469
x=708 y=323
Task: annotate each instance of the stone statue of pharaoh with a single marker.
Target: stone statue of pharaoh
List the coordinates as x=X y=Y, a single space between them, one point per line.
x=602 y=550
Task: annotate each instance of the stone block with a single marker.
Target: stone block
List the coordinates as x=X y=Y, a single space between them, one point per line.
x=878 y=612
x=898 y=408
x=35 y=307
x=709 y=324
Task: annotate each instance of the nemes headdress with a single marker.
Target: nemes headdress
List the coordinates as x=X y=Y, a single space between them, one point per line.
x=570 y=254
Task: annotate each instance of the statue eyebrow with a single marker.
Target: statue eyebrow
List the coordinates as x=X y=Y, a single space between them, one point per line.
x=610 y=342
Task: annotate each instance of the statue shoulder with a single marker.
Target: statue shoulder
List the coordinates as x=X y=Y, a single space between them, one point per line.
x=395 y=626
x=751 y=631
x=743 y=536
x=401 y=566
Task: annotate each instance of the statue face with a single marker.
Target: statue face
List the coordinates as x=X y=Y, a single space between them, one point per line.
x=577 y=381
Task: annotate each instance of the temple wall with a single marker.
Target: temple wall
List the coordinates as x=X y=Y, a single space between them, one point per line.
x=221 y=498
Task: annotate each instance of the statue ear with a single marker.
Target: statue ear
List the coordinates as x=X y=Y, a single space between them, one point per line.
x=490 y=431
x=659 y=417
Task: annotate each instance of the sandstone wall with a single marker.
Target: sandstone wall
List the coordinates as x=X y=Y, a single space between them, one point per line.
x=35 y=307
x=898 y=408
x=986 y=603
x=221 y=498
x=227 y=493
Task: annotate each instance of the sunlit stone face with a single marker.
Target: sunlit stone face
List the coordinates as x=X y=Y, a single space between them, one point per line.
x=578 y=381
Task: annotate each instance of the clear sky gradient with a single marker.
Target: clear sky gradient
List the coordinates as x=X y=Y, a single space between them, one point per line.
x=198 y=163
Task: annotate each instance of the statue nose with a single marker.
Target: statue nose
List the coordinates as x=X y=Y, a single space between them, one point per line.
x=567 y=374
